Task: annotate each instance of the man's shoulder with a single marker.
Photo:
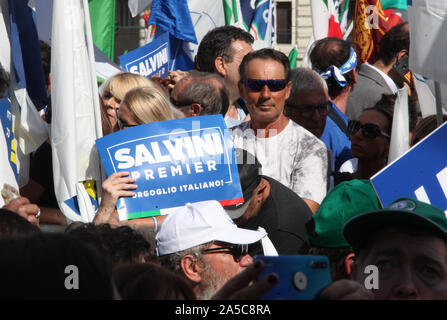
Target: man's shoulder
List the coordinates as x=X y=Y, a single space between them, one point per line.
x=287 y=201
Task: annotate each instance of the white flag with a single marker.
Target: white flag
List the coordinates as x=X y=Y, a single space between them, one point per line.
x=138 y=6
x=428 y=36
x=400 y=132
x=75 y=106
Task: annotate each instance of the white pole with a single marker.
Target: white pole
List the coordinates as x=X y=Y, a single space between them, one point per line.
x=97 y=111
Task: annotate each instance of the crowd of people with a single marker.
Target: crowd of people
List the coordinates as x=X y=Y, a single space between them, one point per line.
x=306 y=140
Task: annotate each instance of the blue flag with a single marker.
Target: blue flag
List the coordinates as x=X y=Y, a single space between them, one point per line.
x=174 y=17
x=26 y=52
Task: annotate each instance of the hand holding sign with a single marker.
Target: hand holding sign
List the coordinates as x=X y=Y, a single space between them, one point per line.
x=173 y=162
x=114 y=187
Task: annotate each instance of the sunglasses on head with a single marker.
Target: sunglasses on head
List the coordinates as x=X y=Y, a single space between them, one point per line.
x=369 y=130
x=236 y=250
x=308 y=111
x=257 y=85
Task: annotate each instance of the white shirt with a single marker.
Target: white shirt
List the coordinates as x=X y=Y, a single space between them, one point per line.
x=294 y=157
x=385 y=77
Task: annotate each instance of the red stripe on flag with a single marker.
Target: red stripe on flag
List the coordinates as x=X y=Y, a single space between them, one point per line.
x=334 y=29
x=230 y=202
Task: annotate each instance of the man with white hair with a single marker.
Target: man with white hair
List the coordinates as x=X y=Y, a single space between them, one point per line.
x=201 y=242
x=309 y=106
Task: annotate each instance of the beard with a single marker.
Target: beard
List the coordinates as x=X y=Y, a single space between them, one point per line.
x=211 y=283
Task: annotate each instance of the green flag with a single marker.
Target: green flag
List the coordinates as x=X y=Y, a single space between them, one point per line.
x=293 y=56
x=102 y=17
x=394 y=4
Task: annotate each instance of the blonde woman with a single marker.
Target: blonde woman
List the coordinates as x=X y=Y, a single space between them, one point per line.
x=139 y=106
x=115 y=88
x=144 y=105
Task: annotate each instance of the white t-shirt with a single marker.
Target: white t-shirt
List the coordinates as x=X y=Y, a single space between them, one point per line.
x=294 y=157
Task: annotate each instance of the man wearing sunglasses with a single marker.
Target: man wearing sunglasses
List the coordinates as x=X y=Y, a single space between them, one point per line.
x=309 y=106
x=202 y=243
x=287 y=152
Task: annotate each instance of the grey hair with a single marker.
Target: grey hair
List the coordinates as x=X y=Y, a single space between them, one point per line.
x=305 y=79
x=172 y=261
x=204 y=93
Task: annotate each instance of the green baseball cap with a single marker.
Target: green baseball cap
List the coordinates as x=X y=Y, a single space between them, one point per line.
x=345 y=201
x=402 y=212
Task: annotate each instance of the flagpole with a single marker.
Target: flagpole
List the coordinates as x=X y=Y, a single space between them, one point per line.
x=438 y=103
x=91 y=53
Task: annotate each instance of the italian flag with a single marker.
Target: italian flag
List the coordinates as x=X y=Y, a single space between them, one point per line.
x=326 y=18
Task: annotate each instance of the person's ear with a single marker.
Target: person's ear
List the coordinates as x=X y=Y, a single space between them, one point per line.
x=349 y=260
x=288 y=87
x=219 y=65
x=190 y=268
x=401 y=54
x=354 y=273
x=241 y=87
x=196 y=109
x=261 y=191
x=354 y=76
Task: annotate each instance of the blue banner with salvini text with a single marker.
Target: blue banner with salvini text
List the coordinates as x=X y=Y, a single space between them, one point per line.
x=150 y=60
x=174 y=162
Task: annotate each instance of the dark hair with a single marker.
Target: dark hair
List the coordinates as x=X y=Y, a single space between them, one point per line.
x=5 y=81
x=118 y=244
x=45 y=52
x=52 y=266
x=425 y=127
x=331 y=51
x=14 y=225
x=146 y=281
x=265 y=54
x=218 y=43
x=385 y=106
x=395 y=40
x=336 y=258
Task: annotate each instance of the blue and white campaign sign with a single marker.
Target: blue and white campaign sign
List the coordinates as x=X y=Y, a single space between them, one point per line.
x=149 y=60
x=174 y=162
x=421 y=173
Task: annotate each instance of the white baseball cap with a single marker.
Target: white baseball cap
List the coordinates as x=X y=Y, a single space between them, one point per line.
x=199 y=223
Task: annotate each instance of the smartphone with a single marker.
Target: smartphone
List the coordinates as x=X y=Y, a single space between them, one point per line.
x=402 y=68
x=301 y=277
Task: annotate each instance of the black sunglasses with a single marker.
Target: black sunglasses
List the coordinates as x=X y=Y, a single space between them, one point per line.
x=369 y=130
x=308 y=111
x=122 y=125
x=180 y=104
x=236 y=250
x=257 y=85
